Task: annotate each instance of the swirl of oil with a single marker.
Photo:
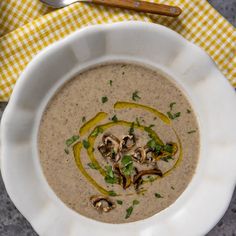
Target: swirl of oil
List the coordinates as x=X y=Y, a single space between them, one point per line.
x=101 y=116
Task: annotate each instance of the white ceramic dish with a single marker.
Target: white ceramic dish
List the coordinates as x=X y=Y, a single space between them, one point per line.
x=209 y=193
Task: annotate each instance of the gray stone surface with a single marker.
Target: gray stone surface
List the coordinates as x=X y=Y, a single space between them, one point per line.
x=12 y=223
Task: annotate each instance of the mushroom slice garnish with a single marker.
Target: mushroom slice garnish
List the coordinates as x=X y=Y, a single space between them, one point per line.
x=143 y=155
x=102 y=148
x=102 y=204
x=139 y=155
x=127 y=142
x=149 y=155
x=126 y=180
x=111 y=141
x=138 y=176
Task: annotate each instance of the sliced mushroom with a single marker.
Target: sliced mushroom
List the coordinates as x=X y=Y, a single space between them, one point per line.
x=110 y=147
x=143 y=155
x=139 y=175
x=138 y=181
x=102 y=204
x=102 y=148
x=139 y=155
x=127 y=142
x=126 y=180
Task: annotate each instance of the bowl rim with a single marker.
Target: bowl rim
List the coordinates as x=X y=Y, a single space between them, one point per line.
x=19 y=88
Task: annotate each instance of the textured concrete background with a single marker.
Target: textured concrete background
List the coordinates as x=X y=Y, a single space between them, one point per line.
x=12 y=223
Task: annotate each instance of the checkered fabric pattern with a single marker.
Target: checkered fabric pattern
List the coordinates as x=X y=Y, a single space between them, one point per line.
x=27 y=26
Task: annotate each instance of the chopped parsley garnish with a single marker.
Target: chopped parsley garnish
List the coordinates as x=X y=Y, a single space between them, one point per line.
x=157 y=195
x=131 y=130
x=114 y=118
x=131 y=208
x=119 y=202
x=151 y=179
x=192 y=131
x=86 y=144
x=129 y=212
x=110 y=177
x=188 y=111
x=83 y=119
x=172 y=187
x=127 y=165
x=135 y=202
x=171 y=105
x=96 y=132
x=112 y=193
x=66 y=151
x=93 y=166
x=71 y=140
x=173 y=116
x=151 y=126
x=154 y=146
x=135 y=96
x=168 y=148
x=104 y=99
x=110 y=82
x=137 y=121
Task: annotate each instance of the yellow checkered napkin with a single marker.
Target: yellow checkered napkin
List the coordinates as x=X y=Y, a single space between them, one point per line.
x=27 y=26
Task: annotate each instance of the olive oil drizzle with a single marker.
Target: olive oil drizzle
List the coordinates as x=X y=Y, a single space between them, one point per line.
x=77 y=150
x=93 y=125
x=125 y=105
x=90 y=124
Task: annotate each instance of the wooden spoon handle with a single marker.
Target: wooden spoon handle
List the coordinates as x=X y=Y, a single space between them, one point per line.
x=142 y=6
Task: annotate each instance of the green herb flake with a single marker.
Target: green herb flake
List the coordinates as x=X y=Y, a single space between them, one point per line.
x=97 y=131
x=83 y=119
x=112 y=193
x=137 y=122
x=188 y=111
x=172 y=188
x=192 y=131
x=66 y=151
x=172 y=105
x=129 y=212
x=151 y=179
x=114 y=118
x=71 y=140
x=126 y=160
x=151 y=126
x=93 y=166
x=110 y=82
x=110 y=177
x=135 y=202
x=173 y=116
x=168 y=148
x=135 y=96
x=131 y=130
x=170 y=115
x=157 y=195
x=119 y=202
x=110 y=180
x=109 y=171
x=127 y=164
x=154 y=146
x=86 y=144
x=104 y=99
x=151 y=143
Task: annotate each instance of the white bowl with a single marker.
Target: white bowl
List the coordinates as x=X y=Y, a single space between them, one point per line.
x=206 y=198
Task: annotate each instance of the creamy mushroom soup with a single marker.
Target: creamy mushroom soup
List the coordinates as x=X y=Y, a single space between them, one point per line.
x=119 y=143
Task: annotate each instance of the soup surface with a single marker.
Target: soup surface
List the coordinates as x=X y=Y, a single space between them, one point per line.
x=119 y=143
